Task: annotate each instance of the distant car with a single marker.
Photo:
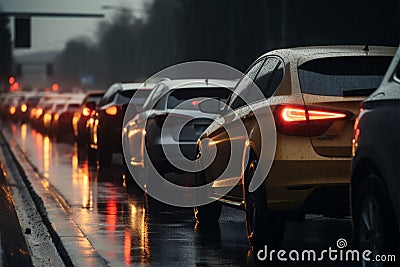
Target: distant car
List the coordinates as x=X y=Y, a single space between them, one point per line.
x=38 y=116
x=82 y=115
x=26 y=106
x=105 y=126
x=9 y=106
x=61 y=123
x=56 y=105
x=178 y=100
x=37 y=112
x=375 y=178
x=314 y=94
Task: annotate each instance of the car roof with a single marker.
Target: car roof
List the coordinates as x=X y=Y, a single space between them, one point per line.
x=199 y=83
x=135 y=86
x=303 y=54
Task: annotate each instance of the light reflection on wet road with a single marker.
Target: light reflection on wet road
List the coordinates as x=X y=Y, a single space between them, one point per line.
x=128 y=228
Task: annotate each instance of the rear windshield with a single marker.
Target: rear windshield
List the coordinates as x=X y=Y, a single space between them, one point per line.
x=178 y=97
x=60 y=106
x=32 y=101
x=94 y=98
x=343 y=76
x=123 y=97
x=73 y=107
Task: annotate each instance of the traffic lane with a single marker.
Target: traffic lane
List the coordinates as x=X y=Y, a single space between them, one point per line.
x=128 y=227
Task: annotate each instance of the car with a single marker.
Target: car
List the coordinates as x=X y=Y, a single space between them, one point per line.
x=175 y=100
x=56 y=106
x=9 y=106
x=105 y=125
x=313 y=94
x=26 y=106
x=375 y=183
x=61 y=122
x=37 y=112
x=81 y=116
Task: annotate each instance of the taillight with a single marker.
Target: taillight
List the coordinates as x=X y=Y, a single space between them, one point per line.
x=12 y=110
x=112 y=111
x=178 y=119
x=24 y=108
x=86 y=112
x=39 y=112
x=306 y=120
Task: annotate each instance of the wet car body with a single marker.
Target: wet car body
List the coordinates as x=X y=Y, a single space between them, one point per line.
x=26 y=107
x=61 y=123
x=105 y=125
x=314 y=104
x=375 y=175
x=168 y=102
x=81 y=116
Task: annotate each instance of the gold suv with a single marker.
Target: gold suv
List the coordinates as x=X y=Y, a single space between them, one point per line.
x=314 y=94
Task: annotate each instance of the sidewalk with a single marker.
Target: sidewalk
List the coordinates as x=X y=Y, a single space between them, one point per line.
x=13 y=248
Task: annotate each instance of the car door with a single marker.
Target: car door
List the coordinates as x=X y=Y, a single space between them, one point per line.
x=135 y=129
x=229 y=137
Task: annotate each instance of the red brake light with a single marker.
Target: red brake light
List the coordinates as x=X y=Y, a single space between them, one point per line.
x=86 y=112
x=305 y=120
x=112 y=111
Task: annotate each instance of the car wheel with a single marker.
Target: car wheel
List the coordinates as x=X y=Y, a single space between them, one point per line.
x=375 y=224
x=92 y=156
x=104 y=156
x=263 y=226
x=206 y=214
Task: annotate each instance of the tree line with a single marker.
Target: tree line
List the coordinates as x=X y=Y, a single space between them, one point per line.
x=234 y=32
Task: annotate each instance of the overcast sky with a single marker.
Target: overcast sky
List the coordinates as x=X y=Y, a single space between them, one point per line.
x=52 y=33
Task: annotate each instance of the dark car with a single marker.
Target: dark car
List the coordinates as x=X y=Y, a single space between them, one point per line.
x=375 y=179
x=26 y=106
x=61 y=121
x=105 y=125
x=177 y=101
x=82 y=115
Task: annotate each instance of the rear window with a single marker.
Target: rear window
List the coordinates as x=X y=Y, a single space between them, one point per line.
x=343 y=76
x=60 y=106
x=94 y=98
x=178 y=97
x=123 y=97
x=73 y=107
x=32 y=101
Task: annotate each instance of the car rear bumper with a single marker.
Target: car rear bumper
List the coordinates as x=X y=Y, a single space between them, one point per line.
x=317 y=186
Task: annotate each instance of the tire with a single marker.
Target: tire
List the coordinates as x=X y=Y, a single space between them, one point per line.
x=92 y=156
x=104 y=156
x=374 y=221
x=206 y=214
x=263 y=226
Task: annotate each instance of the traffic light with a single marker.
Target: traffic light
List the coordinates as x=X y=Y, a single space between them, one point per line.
x=22 y=29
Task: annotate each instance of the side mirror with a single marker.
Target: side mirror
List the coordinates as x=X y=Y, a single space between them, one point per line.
x=90 y=105
x=211 y=106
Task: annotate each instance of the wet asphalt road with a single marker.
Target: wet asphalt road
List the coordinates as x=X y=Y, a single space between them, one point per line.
x=128 y=228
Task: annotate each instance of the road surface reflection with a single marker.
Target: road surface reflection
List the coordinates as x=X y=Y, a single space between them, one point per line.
x=127 y=227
